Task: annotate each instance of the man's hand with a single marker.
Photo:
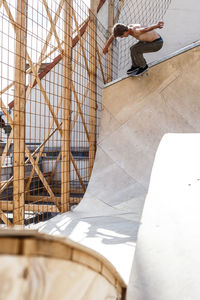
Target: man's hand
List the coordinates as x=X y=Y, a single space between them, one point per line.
x=105 y=50
x=160 y=24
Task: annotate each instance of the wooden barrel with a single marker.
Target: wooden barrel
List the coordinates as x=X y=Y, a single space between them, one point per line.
x=39 y=266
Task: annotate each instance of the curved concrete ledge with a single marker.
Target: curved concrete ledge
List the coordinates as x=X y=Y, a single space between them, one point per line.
x=166 y=264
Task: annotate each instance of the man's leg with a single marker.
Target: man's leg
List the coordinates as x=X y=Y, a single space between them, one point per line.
x=133 y=52
x=134 y=66
x=138 y=49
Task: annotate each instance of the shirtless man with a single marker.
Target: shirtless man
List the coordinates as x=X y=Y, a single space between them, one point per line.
x=149 y=41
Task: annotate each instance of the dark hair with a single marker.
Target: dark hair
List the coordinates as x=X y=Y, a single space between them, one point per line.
x=119 y=29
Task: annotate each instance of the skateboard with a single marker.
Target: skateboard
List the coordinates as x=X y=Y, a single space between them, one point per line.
x=142 y=75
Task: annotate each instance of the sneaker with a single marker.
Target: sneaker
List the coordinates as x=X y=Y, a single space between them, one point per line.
x=132 y=69
x=141 y=70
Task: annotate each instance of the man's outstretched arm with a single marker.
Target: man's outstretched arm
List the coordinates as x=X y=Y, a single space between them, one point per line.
x=139 y=31
x=110 y=40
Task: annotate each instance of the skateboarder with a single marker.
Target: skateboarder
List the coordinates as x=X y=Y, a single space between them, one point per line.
x=149 y=41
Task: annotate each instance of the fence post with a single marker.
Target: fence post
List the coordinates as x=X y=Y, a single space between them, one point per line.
x=93 y=67
x=110 y=50
x=67 y=72
x=19 y=114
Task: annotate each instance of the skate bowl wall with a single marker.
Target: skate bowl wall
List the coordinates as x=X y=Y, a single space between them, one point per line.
x=136 y=114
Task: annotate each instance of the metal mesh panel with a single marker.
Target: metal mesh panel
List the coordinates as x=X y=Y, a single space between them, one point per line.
x=52 y=71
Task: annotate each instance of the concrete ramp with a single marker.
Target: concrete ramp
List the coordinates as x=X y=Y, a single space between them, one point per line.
x=136 y=113
x=166 y=264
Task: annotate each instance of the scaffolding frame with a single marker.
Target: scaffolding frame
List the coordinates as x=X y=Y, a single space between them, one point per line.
x=80 y=42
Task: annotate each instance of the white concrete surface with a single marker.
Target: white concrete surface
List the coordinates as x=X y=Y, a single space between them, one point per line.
x=167 y=263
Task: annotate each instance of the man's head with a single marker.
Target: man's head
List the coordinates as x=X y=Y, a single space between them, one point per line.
x=120 y=30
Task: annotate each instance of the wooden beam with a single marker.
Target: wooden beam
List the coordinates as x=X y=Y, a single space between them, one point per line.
x=110 y=50
x=41 y=176
x=6 y=88
x=75 y=168
x=41 y=147
x=81 y=44
x=101 y=3
x=67 y=94
x=43 y=92
x=92 y=88
x=48 y=135
x=101 y=67
x=53 y=26
x=6 y=149
x=4 y=218
x=6 y=184
x=41 y=58
x=72 y=123
x=7 y=206
x=119 y=10
x=19 y=114
x=44 y=49
x=28 y=71
x=59 y=57
x=41 y=208
x=81 y=104
x=79 y=26
x=12 y=21
x=77 y=172
x=35 y=69
x=6 y=112
x=57 y=189
x=31 y=198
x=30 y=158
x=54 y=167
x=79 y=110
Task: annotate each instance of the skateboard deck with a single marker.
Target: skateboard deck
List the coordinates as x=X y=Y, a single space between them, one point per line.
x=144 y=74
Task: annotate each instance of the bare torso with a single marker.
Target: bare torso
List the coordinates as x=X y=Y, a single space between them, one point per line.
x=149 y=36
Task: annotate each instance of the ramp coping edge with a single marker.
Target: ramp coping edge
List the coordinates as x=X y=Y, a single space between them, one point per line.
x=167 y=57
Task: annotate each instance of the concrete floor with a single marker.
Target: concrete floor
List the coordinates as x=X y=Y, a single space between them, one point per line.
x=137 y=113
